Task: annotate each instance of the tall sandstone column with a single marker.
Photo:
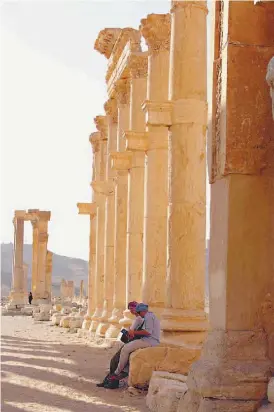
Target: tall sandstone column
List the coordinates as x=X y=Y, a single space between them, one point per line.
x=26 y=272
x=156 y=31
x=185 y=297
x=49 y=274
x=39 y=220
x=98 y=188
x=136 y=144
x=234 y=368
x=17 y=292
x=90 y=210
x=121 y=163
x=109 y=188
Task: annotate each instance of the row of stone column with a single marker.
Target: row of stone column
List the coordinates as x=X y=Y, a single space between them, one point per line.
x=41 y=258
x=148 y=243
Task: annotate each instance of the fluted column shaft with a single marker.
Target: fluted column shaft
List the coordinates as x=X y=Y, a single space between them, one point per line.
x=49 y=274
x=17 y=290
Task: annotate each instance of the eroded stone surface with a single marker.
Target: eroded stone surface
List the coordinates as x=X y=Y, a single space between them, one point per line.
x=171 y=359
x=165 y=391
x=270 y=390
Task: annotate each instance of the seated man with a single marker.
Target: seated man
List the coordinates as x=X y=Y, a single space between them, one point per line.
x=137 y=324
x=150 y=337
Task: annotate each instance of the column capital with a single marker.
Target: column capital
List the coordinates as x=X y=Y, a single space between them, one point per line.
x=121 y=160
x=87 y=209
x=138 y=65
x=94 y=139
x=103 y=187
x=101 y=126
x=136 y=141
x=158 y=113
x=156 y=29
x=180 y=4
x=106 y=40
x=111 y=109
x=122 y=91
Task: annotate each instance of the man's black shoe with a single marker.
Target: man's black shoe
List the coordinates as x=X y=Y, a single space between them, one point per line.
x=100 y=385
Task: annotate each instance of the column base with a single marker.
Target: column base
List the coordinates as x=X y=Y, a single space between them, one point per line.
x=17 y=299
x=234 y=369
x=103 y=325
x=86 y=323
x=127 y=320
x=114 y=328
x=95 y=320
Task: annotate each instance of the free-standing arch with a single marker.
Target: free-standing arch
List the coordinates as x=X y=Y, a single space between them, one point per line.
x=41 y=257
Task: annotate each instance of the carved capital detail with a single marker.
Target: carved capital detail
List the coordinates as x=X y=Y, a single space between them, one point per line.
x=94 y=139
x=101 y=126
x=106 y=40
x=138 y=65
x=121 y=160
x=156 y=29
x=180 y=4
x=122 y=91
x=111 y=110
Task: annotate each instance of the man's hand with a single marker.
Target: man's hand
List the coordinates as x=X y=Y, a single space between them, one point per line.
x=131 y=333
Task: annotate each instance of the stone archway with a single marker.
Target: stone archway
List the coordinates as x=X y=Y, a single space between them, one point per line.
x=41 y=259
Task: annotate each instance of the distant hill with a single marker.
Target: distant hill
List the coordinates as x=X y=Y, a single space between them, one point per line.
x=62 y=267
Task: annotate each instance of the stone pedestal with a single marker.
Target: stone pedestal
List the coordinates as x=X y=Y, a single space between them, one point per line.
x=156 y=31
x=185 y=287
x=234 y=368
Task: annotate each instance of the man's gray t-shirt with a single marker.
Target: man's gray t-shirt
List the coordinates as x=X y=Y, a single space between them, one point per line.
x=138 y=321
x=152 y=325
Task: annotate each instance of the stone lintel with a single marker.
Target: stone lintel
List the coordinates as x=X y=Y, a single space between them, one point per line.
x=158 y=113
x=102 y=187
x=101 y=126
x=106 y=40
x=156 y=29
x=87 y=208
x=121 y=160
x=37 y=215
x=136 y=141
x=129 y=39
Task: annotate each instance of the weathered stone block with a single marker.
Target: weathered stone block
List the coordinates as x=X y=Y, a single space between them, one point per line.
x=162 y=358
x=45 y=316
x=165 y=391
x=64 y=322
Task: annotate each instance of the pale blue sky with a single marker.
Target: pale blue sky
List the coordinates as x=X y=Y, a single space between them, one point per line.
x=52 y=86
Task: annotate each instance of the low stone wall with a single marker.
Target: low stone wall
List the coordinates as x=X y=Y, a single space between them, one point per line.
x=161 y=358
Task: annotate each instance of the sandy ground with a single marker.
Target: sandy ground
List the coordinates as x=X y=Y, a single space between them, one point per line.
x=46 y=369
